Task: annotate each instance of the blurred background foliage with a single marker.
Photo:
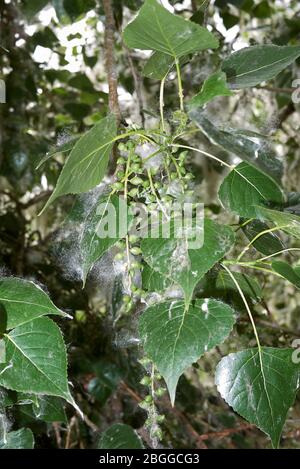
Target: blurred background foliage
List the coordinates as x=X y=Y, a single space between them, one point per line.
x=52 y=62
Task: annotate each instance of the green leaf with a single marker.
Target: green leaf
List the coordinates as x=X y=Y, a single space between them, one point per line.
x=155 y=28
x=30 y=8
x=173 y=258
x=287 y=271
x=109 y=217
x=214 y=86
x=76 y=8
x=252 y=65
x=36 y=360
x=288 y=222
x=260 y=387
x=158 y=66
x=199 y=16
x=24 y=301
x=175 y=336
x=226 y=286
x=88 y=160
x=46 y=408
x=238 y=143
x=19 y=439
x=81 y=82
x=246 y=187
x=120 y=436
x=153 y=281
x=268 y=243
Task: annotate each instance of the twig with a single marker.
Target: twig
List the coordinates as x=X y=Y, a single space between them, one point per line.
x=56 y=429
x=70 y=428
x=275 y=89
x=285 y=113
x=226 y=432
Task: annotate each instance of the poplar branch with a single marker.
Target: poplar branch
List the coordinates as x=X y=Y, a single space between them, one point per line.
x=112 y=75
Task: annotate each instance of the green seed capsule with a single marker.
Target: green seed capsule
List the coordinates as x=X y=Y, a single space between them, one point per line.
x=151 y=198
x=133 y=238
x=148 y=399
x=154 y=171
x=146 y=184
x=136 y=167
x=160 y=418
x=120 y=174
x=136 y=251
x=145 y=361
x=133 y=192
x=173 y=176
x=118 y=186
x=122 y=147
x=126 y=299
x=136 y=181
x=129 y=306
x=160 y=392
x=121 y=244
x=157 y=433
x=146 y=381
x=136 y=158
x=119 y=256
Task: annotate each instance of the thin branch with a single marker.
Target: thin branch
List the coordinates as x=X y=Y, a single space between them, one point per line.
x=226 y=432
x=274 y=89
x=35 y=200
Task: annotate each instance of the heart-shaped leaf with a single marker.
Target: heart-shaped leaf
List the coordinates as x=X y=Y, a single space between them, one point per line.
x=23 y=301
x=120 y=436
x=155 y=28
x=185 y=266
x=87 y=162
x=36 y=360
x=252 y=65
x=215 y=85
x=245 y=187
x=260 y=385
x=175 y=336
